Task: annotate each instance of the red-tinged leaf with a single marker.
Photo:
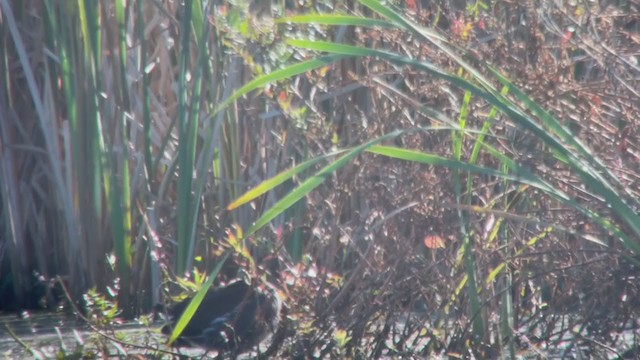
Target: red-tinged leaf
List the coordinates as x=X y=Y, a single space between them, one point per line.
x=567 y=36
x=433 y=242
x=411 y=5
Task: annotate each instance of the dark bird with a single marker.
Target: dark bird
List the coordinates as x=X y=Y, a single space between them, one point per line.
x=231 y=319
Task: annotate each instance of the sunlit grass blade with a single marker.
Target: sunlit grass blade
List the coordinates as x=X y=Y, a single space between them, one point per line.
x=485 y=129
x=329 y=19
x=277 y=180
x=429 y=35
x=437 y=160
x=387 y=12
x=426 y=66
x=282 y=74
x=313 y=182
x=591 y=170
x=517 y=174
x=467 y=242
x=554 y=125
x=559 y=195
x=493 y=274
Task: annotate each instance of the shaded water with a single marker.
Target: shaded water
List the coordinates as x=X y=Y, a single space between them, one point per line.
x=46 y=335
x=49 y=335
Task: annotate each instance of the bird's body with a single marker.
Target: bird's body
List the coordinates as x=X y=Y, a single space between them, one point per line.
x=234 y=318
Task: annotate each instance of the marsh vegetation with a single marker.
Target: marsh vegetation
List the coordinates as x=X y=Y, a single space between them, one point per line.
x=439 y=178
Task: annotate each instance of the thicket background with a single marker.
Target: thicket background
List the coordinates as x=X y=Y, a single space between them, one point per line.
x=118 y=166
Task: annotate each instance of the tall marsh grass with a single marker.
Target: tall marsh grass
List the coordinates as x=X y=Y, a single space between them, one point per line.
x=444 y=179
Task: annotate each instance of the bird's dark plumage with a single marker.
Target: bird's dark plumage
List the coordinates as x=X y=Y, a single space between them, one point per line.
x=234 y=318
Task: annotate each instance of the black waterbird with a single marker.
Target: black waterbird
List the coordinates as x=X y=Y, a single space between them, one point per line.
x=231 y=319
